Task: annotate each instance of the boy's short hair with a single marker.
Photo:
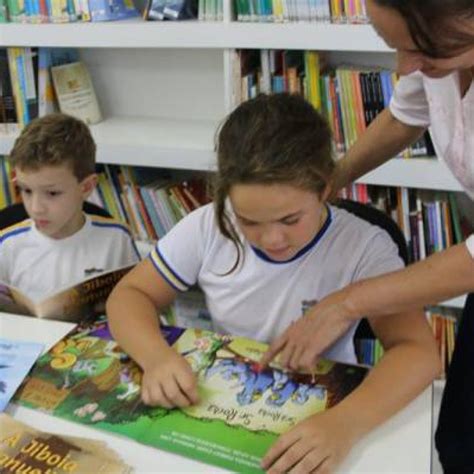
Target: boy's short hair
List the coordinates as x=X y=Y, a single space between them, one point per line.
x=53 y=140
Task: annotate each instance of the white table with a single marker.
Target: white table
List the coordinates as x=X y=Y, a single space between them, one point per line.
x=401 y=445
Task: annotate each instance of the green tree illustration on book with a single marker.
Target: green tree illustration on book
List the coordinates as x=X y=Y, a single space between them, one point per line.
x=88 y=379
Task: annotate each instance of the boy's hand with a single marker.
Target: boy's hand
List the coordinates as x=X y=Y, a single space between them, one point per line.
x=304 y=340
x=169 y=382
x=315 y=445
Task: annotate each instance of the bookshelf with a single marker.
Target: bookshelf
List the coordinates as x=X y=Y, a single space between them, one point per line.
x=165 y=115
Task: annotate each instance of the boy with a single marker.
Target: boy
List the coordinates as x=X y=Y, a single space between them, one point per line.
x=59 y=245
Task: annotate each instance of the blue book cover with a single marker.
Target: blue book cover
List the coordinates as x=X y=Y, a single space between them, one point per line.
x=112 y=10
x=16 y=359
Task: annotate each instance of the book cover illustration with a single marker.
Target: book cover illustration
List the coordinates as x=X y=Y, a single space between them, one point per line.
x=112 y=10
x=25 y=449
x=84 y=299
x=87 y=378
x=16 y=359
x=75 y=92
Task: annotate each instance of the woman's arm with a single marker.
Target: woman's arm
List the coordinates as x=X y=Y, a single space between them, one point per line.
x=384 y=138
x=439 y=277
x=132 y=312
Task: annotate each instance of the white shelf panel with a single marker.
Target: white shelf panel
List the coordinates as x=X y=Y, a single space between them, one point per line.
x=458 y=302
x=423 y=173
x=142 y=141
x=194 y=34
x=189 y=144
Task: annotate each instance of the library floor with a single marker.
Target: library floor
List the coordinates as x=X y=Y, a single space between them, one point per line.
x=437 y=394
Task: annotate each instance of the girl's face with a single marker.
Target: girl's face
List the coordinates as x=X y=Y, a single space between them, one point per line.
x=393 y=29
x=278 y=219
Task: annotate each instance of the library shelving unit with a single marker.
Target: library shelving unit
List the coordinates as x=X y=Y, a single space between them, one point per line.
x=163 y=87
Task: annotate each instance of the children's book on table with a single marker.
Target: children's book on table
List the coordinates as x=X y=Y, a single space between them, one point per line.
x=25 y=449
x=84 y=299
x=16 y=359
x=87 y=378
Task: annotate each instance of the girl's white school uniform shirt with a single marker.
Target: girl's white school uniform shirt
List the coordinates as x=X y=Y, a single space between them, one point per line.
x=40 y=266
x=422 y=101
x=262 y=297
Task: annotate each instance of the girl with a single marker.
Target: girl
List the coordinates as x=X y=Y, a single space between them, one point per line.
x=268 y=247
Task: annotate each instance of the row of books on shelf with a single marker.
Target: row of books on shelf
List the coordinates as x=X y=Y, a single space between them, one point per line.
x=71 y=11
x=277 y=11
x=349 y=97
x=444 y=323
x=39 y=81
x=65 y=11
x=321 y=11
x=431 y=221
x=151 y=201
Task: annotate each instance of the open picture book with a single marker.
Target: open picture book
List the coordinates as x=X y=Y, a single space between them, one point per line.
x=243 y=408
x=84 y=299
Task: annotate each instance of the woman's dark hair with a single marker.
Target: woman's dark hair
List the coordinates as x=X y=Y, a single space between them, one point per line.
x=432 y=23
x=271 y=139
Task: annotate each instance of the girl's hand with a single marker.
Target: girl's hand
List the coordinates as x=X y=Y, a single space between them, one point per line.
x=169 y=382
x=303 y=341
x=317 y=444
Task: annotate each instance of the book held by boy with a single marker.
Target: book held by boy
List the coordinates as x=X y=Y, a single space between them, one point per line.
x=243 y=408
x=84 y=299
x=25 y=449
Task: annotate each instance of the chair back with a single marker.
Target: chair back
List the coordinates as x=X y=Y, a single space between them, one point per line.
x=16 y=213
x=375 y=217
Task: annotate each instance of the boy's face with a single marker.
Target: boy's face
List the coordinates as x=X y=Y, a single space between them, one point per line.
x=53 y=198
x=278 y=219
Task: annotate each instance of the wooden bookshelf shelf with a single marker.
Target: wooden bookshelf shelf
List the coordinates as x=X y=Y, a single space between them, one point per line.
x=194 y=34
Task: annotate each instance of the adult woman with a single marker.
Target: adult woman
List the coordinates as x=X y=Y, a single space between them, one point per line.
x=434 y=40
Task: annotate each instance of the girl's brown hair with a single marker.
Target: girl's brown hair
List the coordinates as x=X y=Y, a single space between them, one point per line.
x=272 y=139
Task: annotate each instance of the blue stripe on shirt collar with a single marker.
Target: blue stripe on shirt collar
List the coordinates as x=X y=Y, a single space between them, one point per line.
x=305 y=249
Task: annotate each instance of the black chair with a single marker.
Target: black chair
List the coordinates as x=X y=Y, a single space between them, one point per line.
x=379 y=218
x=16 y=213
x=375 y=217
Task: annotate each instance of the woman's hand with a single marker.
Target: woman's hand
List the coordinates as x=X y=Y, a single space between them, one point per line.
x=303 y=341
x=317 y=445
x=169 y=382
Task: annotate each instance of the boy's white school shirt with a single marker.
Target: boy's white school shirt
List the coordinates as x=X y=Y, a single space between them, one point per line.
x=261 y=297
x=422 y=101
x=40 y=266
